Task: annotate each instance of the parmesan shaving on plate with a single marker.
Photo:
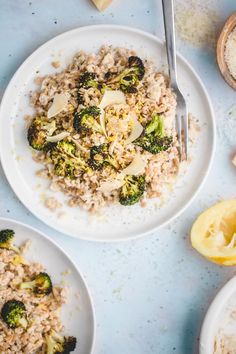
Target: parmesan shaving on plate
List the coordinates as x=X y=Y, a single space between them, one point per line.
x=137 y=129
x=234 y=161
x=59 y=104
x=109 y=186
x=101 y=4
x=136 y=167
x=57 y=137
x=112 y=97
x=102 y=121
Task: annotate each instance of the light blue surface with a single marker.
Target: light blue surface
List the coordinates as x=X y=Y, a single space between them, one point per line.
x=150 y=295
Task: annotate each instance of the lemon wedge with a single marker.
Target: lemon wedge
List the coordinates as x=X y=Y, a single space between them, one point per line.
x=213 y=234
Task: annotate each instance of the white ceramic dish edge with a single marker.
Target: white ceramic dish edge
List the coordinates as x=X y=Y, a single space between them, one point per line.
x=209 y=325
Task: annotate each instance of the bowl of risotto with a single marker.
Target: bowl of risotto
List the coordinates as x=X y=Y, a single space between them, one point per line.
x=95 y=126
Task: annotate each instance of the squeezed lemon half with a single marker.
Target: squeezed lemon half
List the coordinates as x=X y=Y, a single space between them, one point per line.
x=213 y=234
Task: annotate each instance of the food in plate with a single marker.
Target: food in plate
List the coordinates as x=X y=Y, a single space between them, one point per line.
x=214 y=233
x=224 y=343
x=29 y=304
x=104 y=129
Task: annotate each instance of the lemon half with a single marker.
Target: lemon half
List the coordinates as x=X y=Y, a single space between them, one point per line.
x=214 y=233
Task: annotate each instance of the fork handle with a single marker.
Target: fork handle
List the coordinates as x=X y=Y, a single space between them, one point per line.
x=168 y=15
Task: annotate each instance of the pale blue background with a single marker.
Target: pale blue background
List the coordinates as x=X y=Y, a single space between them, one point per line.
x=150 y=295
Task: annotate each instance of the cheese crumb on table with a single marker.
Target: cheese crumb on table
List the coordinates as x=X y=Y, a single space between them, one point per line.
x=196 y=23
x=101 y=4
x=234 y=161
x=230 y=53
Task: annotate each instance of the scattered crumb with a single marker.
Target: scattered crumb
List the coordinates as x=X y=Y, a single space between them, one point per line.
x=27 y=118
x=52 y=204
x=56 y=64
x=66 y=272
x=38 y=80
x=234 y=161
x=25 y=246
x=196 y=23
x=61 y=214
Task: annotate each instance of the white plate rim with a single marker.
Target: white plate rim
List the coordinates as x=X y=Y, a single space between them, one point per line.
x=213 y=312
x=206 y=172
x=43 y=235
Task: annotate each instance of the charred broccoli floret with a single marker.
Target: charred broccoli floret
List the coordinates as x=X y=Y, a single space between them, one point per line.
x=13 y=314
x=6 y=238
x=130 y=77
x=40 y=285
x=87 y=80
x=132 y=190
x=58 y=344
x=100 y=157
x=38 y=131
x=66 y=163
x=153 y=138
x=87 y=120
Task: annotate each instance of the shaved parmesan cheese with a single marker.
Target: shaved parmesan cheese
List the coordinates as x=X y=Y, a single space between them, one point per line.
x=234 y=161
x=59 y=104
x=102 y=121
x=112 y=97
x=136 y=167
x=58 y=137
x=101 y=4
x=109 y=186
x=137 y=129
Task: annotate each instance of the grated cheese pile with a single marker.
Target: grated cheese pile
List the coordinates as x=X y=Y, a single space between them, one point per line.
x=196 y=23
x=230 y=53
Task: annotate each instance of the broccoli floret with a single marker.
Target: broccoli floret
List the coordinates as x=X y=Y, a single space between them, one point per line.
x=87 y=120
x=100 y=157
x=6 y=238
x=13 y=314
x=132 y=190
x=130 y=77
x=66 y=163
x=58 y=344
x=87 y=80
x=38 y=131
x=153 y=138
x=40 y=285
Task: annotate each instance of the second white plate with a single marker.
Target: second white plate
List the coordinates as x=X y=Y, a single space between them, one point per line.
x=116 y=222
x=77 y=314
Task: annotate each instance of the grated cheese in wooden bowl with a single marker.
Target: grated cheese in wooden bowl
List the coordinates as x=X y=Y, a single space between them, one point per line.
x=230 y=53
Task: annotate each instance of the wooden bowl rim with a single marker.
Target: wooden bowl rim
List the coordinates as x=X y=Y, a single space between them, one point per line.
x=229 y=25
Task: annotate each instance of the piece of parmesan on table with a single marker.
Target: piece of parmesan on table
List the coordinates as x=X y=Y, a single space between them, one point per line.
x=234 y=161
x=101 y=4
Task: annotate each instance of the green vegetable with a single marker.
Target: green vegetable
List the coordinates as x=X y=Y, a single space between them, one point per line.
x=6 y=238
x=38 y=131
x=58 y=344
x=100 y=157
x=65 y=161
x=153 y=138
x=13 y=314
x=129 y=78
x=40 y=285
x=87 y=120
x=132 y=190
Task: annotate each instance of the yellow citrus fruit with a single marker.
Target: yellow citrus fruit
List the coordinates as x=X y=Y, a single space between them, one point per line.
x=213 y=234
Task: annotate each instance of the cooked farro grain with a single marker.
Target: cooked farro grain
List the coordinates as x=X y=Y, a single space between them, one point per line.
x=149 y=95
x=42 y=312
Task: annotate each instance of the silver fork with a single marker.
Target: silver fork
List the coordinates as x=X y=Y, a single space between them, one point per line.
x=181 y=109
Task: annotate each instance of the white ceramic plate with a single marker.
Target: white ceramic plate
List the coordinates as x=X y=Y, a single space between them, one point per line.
x=116 y=222
x=219 y=317
x=77 y=315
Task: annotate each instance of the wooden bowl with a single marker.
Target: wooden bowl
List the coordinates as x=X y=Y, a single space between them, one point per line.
x=230 y=24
